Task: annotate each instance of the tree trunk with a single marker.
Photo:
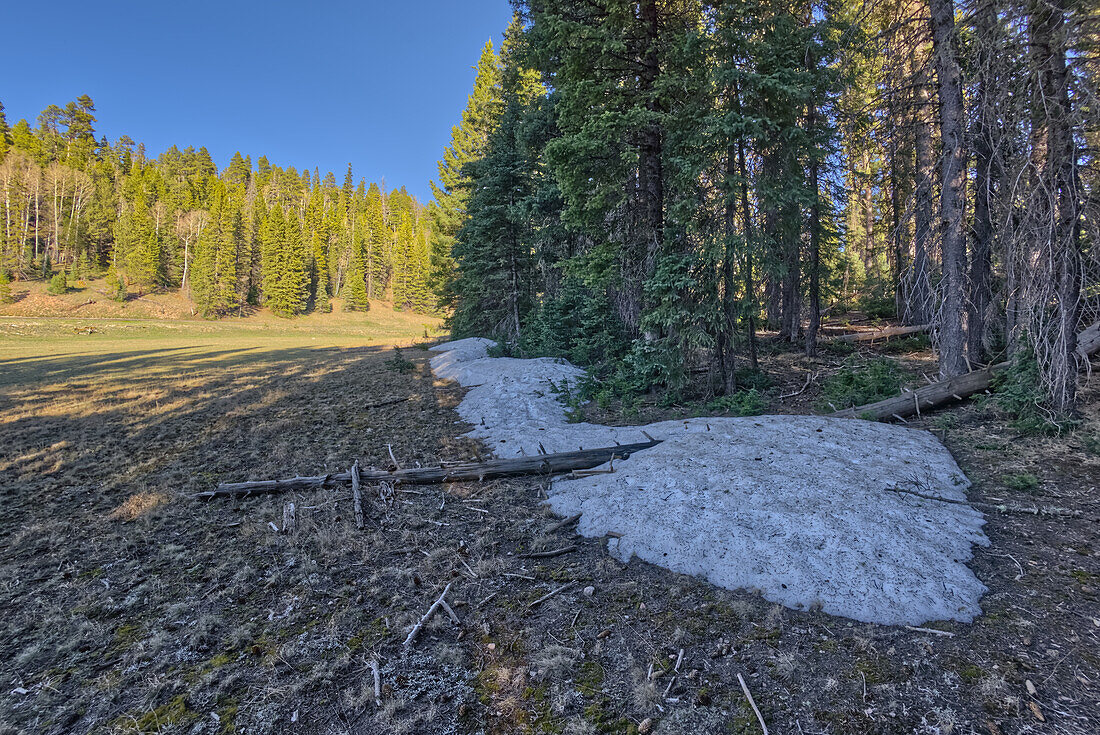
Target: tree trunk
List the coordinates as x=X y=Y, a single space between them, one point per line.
x=650 y=173
x=919 y=309
x=815 y=242
x=750 y=241
x=1058 y=363
x=729 y=308
x=982 y=234
x=952 y=335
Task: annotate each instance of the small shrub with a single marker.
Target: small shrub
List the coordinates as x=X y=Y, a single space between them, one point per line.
x=878 y=308
x=59 y=284
x=5 y=287
x=742 y=403
x=860 y=383
x=116 y=285
x=1019 y=393
x=1024 y=482
x=753 y=379
x=399 y=363
x=918 y=343
x=1091 y=444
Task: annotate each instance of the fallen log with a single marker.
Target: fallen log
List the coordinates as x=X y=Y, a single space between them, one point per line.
x=1088 y=342
x=541 y=464
x=955 y=389
x=926 y=397
x=886 y=333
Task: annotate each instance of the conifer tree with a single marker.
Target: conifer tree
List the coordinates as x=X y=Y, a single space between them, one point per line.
x=116 y=284
x=468 y=140
x=137 y=243
x=404 y=266
x=355 y=287
x=378 y=249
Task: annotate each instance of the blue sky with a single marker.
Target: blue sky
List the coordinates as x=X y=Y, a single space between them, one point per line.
x=376 y=84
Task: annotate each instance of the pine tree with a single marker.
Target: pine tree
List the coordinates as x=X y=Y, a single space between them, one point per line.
x=403 y=264
x=378 y=251
x=116 y=284
x=355 y=287
x=5 y=287
x=492 y=279
x=468 y=140
x=5 y=133
x=272 y=239
x=138 y=245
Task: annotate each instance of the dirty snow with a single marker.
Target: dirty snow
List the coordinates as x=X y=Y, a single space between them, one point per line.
x=791 y=506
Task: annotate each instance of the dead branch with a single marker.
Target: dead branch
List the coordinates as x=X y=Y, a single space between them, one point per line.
x=548 y=464
x=357 y=494
x=752 y=703
x=1035 y=510
x=427 y=616
x=563 y=523
x=548 y=554
x=550 y=594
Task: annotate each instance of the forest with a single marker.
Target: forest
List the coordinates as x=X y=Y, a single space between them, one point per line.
x=646 y=186
x=77 y=207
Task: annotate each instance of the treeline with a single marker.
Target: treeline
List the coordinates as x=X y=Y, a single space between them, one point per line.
x=654 y=181
x=74 y=206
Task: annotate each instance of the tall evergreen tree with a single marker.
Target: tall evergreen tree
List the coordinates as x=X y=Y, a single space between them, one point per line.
x=468 y=141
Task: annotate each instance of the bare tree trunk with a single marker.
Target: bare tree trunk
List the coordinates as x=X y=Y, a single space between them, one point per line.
x=952 y=335
x=815 y=243
x=895 y=223
x=1057 y=358
x=867 y=194
x=981 y=267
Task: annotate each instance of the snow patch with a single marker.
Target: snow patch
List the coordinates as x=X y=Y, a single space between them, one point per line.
x=792 y=506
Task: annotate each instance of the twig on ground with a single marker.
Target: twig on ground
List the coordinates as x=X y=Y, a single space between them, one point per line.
x=933 y=631
x=450 y=613
x=548 y=554
x=377 y=682
x=809 y=379
x=548 y=595
x=1035 y=510
x=427 y=616
x=563 y=523
x=389 y=448
x=752 y=703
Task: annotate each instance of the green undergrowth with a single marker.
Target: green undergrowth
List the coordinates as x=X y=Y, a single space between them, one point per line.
x=860 y=382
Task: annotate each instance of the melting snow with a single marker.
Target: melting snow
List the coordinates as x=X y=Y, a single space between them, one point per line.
x=791 y=506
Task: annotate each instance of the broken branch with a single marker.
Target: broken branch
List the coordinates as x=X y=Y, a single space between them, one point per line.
x=549 y=464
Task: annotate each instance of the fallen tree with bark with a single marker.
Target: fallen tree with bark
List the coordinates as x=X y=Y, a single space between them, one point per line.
x=933 y=396
x=882 y=334
x=539 y=464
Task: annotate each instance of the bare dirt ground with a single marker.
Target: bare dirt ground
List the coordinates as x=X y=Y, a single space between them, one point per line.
x=130 y=607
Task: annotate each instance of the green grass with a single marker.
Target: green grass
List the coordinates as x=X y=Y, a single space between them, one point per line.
x=33 y=349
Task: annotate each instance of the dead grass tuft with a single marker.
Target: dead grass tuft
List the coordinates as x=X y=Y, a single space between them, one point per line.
x=138 y=505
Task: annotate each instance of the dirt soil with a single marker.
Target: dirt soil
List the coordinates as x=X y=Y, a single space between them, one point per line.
x=130 y=607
